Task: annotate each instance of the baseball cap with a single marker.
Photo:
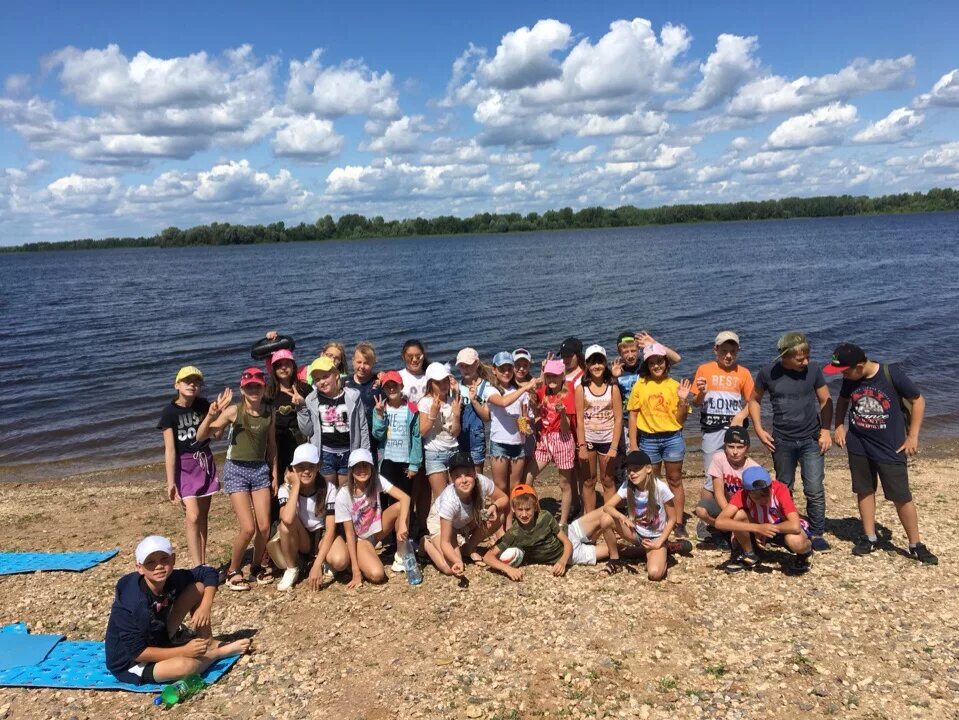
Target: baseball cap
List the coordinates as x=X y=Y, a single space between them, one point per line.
x=756 y=478
x=467 y=356
x=725 y=336
x=361 y=455
x=522 y=489
x=252 y=376
x=554 y=367
x=638 y=458
x=736 y=434
x=391 y=376
x=522 y=354
x=571 y=346
x=625 y=337
x=281 y=355
x=437 y=371
x=503 y=358
x=653 y=350
x=306 y=453
x=188 y=371
x=152 y=544
x=321 y=364
x=461 y=460
x=595 y=350
x=844 y=357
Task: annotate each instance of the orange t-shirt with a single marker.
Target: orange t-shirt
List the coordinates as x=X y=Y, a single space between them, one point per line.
x=726 y=394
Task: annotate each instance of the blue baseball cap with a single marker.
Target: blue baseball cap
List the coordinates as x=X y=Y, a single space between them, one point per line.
x=502 y=358
x=756 y=478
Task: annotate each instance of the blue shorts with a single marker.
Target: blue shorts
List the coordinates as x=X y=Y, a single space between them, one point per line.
x=244 y=476
x=668 y=446
x=335 y=463
x=437 y=461
x=506 y=450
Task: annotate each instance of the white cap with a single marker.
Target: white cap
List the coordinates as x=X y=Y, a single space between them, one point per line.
x=467 y=356
x=725 y=336
x=361 y=455
x=152 y=544
x=595 y=350
x=306 y=453
x=522 y=354
x=437 y=371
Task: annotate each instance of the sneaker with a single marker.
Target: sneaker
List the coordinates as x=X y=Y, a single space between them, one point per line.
x=863 y=546
x=703 y=532
x=800 y=565
x=819 y=544
x=397 y=565
x=921 y=553
x=290 y=576
x=680 y=532
x=679 y=547
x=182 y=636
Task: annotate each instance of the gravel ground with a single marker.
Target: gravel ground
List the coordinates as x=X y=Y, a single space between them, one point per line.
x=874 y=637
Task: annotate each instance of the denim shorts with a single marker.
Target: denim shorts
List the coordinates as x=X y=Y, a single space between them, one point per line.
x=335 y=463
x=473 y=441
x=668 y=446
x=506 y=450
x=437 y=461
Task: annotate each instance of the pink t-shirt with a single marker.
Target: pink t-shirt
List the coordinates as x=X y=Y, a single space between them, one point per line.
x=732 y=477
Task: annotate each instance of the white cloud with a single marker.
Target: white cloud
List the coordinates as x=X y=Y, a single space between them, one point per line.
x=525 y=56
x=399 y=136
x=822 y=126
x=774 y=94
x=945 y=92
x=895 y=127
x=406 y=180
x=16 y=85
x=350 y=88
x=574 y=157
x=636 y=123
x=767 y=161
x=730 y=65
x=307 y=139
x=944 y=158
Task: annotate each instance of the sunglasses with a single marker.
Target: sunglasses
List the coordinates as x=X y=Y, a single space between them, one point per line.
x=413 y=358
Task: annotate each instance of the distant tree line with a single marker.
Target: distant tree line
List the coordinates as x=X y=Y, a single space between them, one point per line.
x=354 y=226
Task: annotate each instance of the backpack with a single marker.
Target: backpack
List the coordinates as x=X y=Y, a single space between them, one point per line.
x=904 y=403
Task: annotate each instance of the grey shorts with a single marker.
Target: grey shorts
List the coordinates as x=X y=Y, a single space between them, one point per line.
x=243 y=476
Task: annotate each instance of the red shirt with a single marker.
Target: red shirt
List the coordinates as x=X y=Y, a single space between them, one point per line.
x=549 y=418
x=780 y=505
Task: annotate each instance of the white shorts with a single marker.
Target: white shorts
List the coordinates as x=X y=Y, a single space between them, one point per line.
x=433 y=526
x=712 y=444
x=583 y=553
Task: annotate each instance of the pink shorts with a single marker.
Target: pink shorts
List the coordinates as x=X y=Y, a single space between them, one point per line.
x=558 y=448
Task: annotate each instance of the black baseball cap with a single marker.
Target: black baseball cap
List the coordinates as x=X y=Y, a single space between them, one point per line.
x=461 y=460
x=844 y=357
x=736 y=434
x=571 y=346
x=638 y=458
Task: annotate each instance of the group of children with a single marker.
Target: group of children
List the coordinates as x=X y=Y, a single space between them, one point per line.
x=370 y=459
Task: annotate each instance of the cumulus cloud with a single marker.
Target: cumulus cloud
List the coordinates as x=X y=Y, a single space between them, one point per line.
x=943 y=159
x=635 y=123
x=349 y=88
x=575 y=157
x=822 y=126
x=307 y=139
x=407 y=180
x=945 y=92
x=730 y=65
x=525 y=56
x=895 y=127
x=399 y=136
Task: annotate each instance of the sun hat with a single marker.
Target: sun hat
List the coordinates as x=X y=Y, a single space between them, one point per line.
x=595 y=350
x=571 y=346
x=736 y=434
x=187 y=371
x=554 y=367
x=522 y=489
x=306 y=453
x=653 y=350
x=437 y=371
x=152 y=544
x=360 y=455
x=252 y=376
x=391 y=376
x=844 y=357
x=467 y=356
x=756 y=478
x=503 y=358
x=726 y=336
x=321 y=364
x=522 y=354
x=638 y=458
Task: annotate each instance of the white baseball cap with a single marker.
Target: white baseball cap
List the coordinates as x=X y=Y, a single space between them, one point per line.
x=306 y=453
x=152 y=544
x=437 y=371
x=361 y=455
x=725 y=336
x=522 y=354
x=467 y=356
x=595 y=350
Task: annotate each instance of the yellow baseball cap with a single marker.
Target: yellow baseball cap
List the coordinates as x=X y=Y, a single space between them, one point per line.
x=187 y=371
x=321 y=364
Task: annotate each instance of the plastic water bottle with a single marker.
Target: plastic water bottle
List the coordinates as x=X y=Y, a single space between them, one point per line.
x=180 y=690
x=413 y=574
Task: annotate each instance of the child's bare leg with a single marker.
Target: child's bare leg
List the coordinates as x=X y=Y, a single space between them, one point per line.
x=909 y=518
x=656 y=564
x=186 y=602
x=194 y=535
x=438 y=482
x=532 y=471
x=204 y=525
x=589 y=483
x=179 y=667
x=473 y=541
x=370 y=564
x=261 y=511
x=674 y=477
x=294 y=539
x=338 y=558
x=799 y=544
x=743 y=537
x=500 y=470
x=431 y=545
x=566 y=486
x=246 y=528
x=388 y=520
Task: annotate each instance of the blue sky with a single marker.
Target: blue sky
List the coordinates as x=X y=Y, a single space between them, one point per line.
x=124 y=118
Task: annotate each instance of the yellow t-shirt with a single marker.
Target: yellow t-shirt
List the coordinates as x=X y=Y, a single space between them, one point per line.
x=655 y=402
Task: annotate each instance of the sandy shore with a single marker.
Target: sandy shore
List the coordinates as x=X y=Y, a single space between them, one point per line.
x=874 y=637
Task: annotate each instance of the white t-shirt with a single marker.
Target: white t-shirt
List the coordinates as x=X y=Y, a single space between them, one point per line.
x=306 y=509
x=414 y=386
x=440 y=437
x=644 y=527
x=450 y=507
x=364 y=511
x=502 y=426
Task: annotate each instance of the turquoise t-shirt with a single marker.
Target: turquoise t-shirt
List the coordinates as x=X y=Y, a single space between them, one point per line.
x=397 y=446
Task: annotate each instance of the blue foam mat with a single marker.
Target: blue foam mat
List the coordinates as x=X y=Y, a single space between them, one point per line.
x=12 y=563
x=82 y=664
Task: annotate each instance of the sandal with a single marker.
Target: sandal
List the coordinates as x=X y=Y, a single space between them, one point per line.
x=612 y=567
x=262 y=575
x=235 y=581
x=477 y=560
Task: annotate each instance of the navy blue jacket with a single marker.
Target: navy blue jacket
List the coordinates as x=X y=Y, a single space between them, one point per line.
x=132 y=628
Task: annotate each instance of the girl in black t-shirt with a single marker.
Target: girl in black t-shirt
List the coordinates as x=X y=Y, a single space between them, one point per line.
x=279 y=393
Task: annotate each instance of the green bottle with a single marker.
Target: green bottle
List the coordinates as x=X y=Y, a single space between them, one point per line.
x=180 y=690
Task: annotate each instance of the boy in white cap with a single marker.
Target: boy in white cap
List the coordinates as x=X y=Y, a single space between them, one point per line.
x=145 y=642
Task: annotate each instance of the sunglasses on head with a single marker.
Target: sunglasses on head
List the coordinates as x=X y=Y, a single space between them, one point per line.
x=251 y=376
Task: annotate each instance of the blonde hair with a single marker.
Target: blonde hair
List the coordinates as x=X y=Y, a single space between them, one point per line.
x=652 y=499
x=341 y=363
x=523 y=500
x=792 y=343
x=366 y=350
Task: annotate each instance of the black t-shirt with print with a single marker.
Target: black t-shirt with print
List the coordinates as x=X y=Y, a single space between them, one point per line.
x=184 y=421
x=877 y=427
x=334 y=421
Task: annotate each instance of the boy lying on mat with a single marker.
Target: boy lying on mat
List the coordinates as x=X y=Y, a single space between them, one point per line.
x=145 y=641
